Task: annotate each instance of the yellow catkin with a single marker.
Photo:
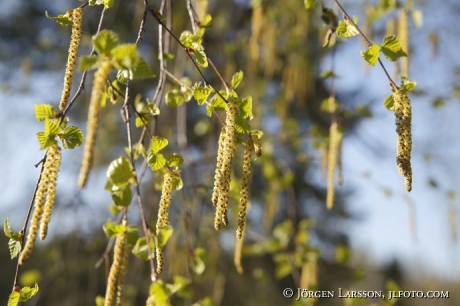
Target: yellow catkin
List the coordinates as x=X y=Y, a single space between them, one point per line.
x=72 y=58
x=228 y=154
x=244 y=193
x=218 y=173
x=122 y=274
x=54 y=157
x=115 y=269
x=403 y=37
x=257 y=146
x=331 y=165
x=93 y=121
x=339 y=161
x=403 y=114
x=38 y=208
x=163 y=219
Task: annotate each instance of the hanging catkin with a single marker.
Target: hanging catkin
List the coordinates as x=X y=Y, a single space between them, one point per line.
x=118 y=254
x=72 y=58
x=54 y=156
x=403 y=114
x=163 y=219
x=46 y=185
x=331 y=165
x=403 y=36
x=244 y=193
x=93 y=121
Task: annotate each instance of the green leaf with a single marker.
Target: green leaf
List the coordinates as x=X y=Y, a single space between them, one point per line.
x=120 y=172
x=347 y=28
x=246 y=108
x=371 y=55
x=407 y=85
x=206 y=22
x=112 y=229
x=44 y=111
x=114 y=209
x=209 y=109
x=89 y=62
x=100 y=300
x=143 y=120
x=44 y=140
x=184 y=38
x=108 y=3
x=218 y=103
x=13 y=299
x=132 y=234
x=125 y=56
x=158 y=144
x=153 y=108
x=9 y=233
x=140 y=249
x=198 y=261
x=201 y=58
x=242 y=125
x=328 y=74
x=105 y=42
x=201 y=93
x=160 y=293
x=177 y=182
x=141 y=69
x=165 y=232
x=156 y=161
x=392 y=49
x=71 y=137
x=236 y=79
x=175 y=160
x=167 y=56
x=27 y=293
x=15 y=247
x=258 y=133
x=309 y=3
x=52 y=127
x=123 y=196
x=174 y=98
x=96 y=2
x=61 y=19
x=389 y=103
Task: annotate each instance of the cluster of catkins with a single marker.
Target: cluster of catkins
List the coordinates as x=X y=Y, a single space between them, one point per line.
x=225 y=154
x=72 y=58
x=403 y=113
x=44 y=200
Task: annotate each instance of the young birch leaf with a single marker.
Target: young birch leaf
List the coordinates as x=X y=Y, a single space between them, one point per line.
x=218 y=103
x=100 y=301
x=13 y=299
x=156 y=161
x=125 y=56
x=328 y=74
x=175 y=160
x=44 y=111
x=9 y=233
x=51 y=128
x=242 y=125
x=61 y=19
x=158 y=144
x=112 y=229
x=119 y=172
x=246 y=108
x=72 y=137
x=96 y=2
x=389 y=103
x=44 y=140
x=140 y=249
x=206 y=22
x=163 y=235
x=141 y=70
x=177 y=183
x=108 y=3
x=15 y=247
x=209 y=109
x=89 y=62
x=143 y=120
x=347 y=28
x=132 y=234
x=153 y=108
x=27 y=293
x=184 y=38
x=371 y=55
x=123 y=196
x=236 y=79
x=174 y=98
x=407 y=85
x=392 y=49
x=201 y=59
x=201 y=93
x=309 y=4
x=105 y=42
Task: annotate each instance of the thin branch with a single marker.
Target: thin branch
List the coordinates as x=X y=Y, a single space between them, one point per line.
x=142 y=26
x=369 y=43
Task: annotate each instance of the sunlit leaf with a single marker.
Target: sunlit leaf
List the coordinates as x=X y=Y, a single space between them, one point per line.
x=237 y=78
x=309 y=3
x=389 y=103
x=120 y=171
x=174 y=98
x=246 y=107
x=125 y=56
x=407 y=85
x=371 y=55
x=164 y=233
x=347 y=28
x=392 y=49
x=71 y=137
x=44 y=111
x=140 y=249
x=201 y=58
x=156 y=161
x=61 y=19
x=242 y=125
x=123 y=196
x=141 y=69
x=105 y=41
x=112 y=229
x=89 y=62
x=175 y=160
x=27 y=293
x=201 y=93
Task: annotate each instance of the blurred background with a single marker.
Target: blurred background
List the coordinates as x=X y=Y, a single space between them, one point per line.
x=377 y=236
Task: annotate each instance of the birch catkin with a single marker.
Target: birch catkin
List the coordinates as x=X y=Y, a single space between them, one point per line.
x=93 y=121
x=46 y=186
x=72 y=58
x=163 y=219
x=244 y=193
x=118 y=254
x=403 y=36
x=331 y=165
x=403 y=114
